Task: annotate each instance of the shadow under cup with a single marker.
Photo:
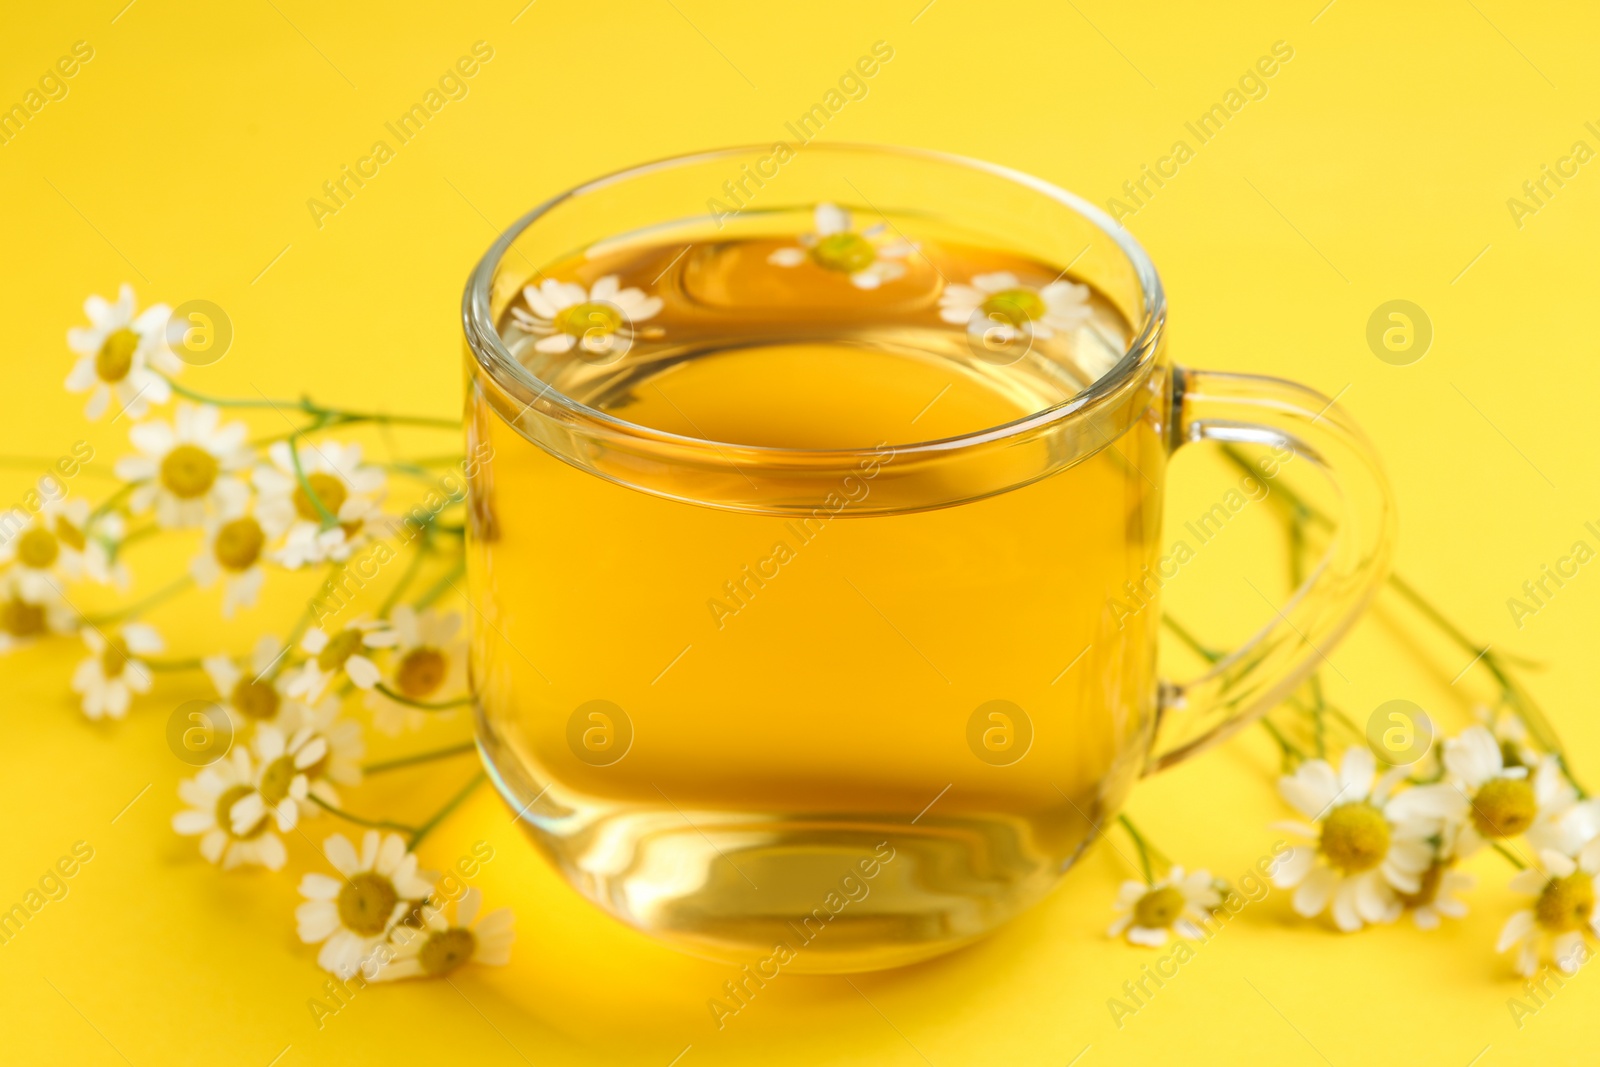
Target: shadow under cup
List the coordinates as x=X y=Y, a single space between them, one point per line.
x=906 y=723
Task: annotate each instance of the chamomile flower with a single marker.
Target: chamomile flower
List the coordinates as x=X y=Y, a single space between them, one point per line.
x=870 y=257
x=287 y=767
x=443 y=945
x=348 y=490
x=113 y=672
x=428 y=665
x=1512 y=733
x=1490 y=800
x=599 y=320
x=24 y=621
x=1363 y=857
x=298 y=770
x=999 y=302
x=342 y=652
x=50 y=548
x=352 y=915
x=234 y=547
x=1437 y=896
x=185 y=469
x=246 y=690
x=117 y=352
x=1178 y=902
x=232 y=827
x=1564 y=892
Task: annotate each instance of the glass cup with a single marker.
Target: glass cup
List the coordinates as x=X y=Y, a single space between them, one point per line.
x=933 y=678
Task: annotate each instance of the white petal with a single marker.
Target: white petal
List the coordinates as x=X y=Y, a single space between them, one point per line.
x=831 y=219
x=1516 y=928
x=1355 y=773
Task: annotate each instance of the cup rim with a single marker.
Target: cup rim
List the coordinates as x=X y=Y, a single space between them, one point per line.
x=483 y=339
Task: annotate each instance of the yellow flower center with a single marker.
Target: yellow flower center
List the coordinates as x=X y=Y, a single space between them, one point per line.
x=1014 y=307
x=276 y=778
x=224 y=815
x=581 y=320
x=329 y=489
x=1355 y=837
x=1566 y=903
x=1427 y=887
x=189 y=471
x=846 y=252
x=70 y=534
x=20 y=618
x=255 y=700
x=446 y=950
x=421 y=671
x=1158 y=908
x=114 y=659
x=115 y=358
x=340 y=647
x=366 y=902
x=1504 y=807
x=238 y=544
x=37 y=548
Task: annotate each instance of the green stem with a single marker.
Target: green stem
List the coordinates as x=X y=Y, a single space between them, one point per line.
x=1143 y=848
x=1290 y=750
x=450 y=805
x=106 y=506
x=35 y=463
x=1510 y=857
x=383 y=766
x=329 y=519
x=417 y=560
x=371 y=824
x=439 y=588
x=139 y=606
x=1520 y=700
x=425 y=705
x=325 y=415
x=114 y=548
x=173 y=664
x=300 y=627
x=1188 y=638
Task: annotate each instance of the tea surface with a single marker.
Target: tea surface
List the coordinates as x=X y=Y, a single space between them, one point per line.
x=723 y=721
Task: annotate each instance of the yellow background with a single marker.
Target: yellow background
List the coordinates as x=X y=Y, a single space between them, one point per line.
x=1378 y=167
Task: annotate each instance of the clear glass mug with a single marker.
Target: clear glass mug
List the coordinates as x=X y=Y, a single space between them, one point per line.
x=936 y=707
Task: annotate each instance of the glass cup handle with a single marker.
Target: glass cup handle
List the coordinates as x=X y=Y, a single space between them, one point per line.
x=1246 y=408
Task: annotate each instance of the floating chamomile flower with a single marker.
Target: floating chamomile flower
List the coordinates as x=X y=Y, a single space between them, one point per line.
x=1000 y=302
x=600 y=320
x=233 y=551
x=185 y=469
x=1563 y=909
x=428 y=665
x=1178 y=902
x=342 y=652
x=117 y=351
x=870 y=257
x=113 y=672
x=225 y=811
x=352 y=915
x=348 y=490
x=1363 y=857
x=443 y=946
